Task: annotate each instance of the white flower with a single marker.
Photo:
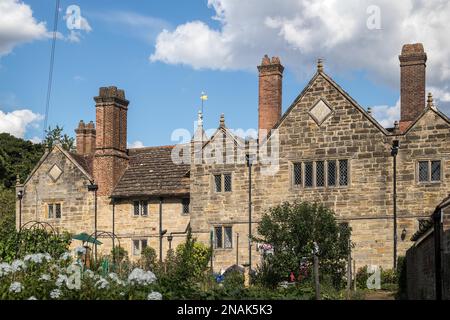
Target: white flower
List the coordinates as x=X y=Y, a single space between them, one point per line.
x=55 y=294
x=89 y=274
x=15 y=287
x=45 y=277
x=80 y=250
x=37 y=257
x=65 y=256
x=18 y=265
x=5 y=269
x=102 y=283
x=32 y=298
x=154 y=296
x=61 y=280
x=139 y=276
x=114 y=277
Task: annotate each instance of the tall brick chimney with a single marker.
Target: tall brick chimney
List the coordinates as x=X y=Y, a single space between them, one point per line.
x=85 y=138
x=111 y=157
x=412 y=82
x=270 y=94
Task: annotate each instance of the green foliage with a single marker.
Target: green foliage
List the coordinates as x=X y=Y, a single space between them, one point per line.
x=56 y=135
x=292 y=229
x=183 y=275
x=361 y=278
x=17 y=157
x=148 y=259
x=119 y=254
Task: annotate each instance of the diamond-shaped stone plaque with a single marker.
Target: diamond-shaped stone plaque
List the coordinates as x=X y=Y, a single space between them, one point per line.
x=320 y=112
x=55 y=172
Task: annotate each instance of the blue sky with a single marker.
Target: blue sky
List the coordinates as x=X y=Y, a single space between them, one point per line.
x=164 y=90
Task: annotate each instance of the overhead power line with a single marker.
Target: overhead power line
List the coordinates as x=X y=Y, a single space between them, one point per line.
x=50 y=73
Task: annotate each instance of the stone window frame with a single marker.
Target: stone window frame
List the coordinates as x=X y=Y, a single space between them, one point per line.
x=222 y=227
x=429 y=181
x=132 y=249
x=222 y=174
x=314 y=161
x=53 y=203
x=141 y=208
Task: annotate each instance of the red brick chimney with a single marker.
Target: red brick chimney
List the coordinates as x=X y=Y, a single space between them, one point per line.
x=111 y=158
x=412 y=83
x=270 y=94
x=85 y=138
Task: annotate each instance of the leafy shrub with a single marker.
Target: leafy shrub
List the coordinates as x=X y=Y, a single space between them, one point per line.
x=361 y=278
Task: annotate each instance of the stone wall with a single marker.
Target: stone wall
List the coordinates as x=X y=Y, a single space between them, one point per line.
x=420 y=259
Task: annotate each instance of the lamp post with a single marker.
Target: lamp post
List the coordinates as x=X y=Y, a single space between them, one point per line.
x=394 y=153
x=20 y=197
x=170 y=238
x=249 y=159
x=93 y=188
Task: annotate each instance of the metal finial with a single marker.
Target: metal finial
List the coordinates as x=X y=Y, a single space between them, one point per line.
x=200 y=118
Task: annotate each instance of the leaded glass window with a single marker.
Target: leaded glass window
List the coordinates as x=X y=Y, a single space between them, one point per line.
x=331 y=179
x=320 y=174
x=309 y=182
x=343 y=172
x=297 y=174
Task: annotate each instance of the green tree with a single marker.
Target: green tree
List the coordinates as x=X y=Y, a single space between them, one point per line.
x=52 y=136
x=292 y=229
x=17 y=157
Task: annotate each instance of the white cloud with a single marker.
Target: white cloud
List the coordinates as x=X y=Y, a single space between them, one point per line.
x=132 y=23
x=136 y=144
x=300 y=31
x=17 y=121
x=17 y=25
x=387 y=115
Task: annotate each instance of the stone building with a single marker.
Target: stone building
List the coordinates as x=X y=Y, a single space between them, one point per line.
x=325 y=148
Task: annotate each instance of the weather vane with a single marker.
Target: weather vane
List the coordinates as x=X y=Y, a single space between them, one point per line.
x=203 y=97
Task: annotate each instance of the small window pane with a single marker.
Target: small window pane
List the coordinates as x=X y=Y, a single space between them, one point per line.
x=185 y=204
x=435 y=171
x=50 y=211
x=218 y=233
x=58 y=211
x=343 y=172
x=227 y=182
x=143 y=244
x=297 y=174
x=423 y=171
x=136 y=208
x=144 y=208
x=218 y=182
x=136 y=250
x=228 y=237
x=331 y=173
x=308 y=174
x=320 y=174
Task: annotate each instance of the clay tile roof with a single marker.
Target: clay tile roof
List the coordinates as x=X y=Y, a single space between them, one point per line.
x=151 y=172
x=85 y=161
